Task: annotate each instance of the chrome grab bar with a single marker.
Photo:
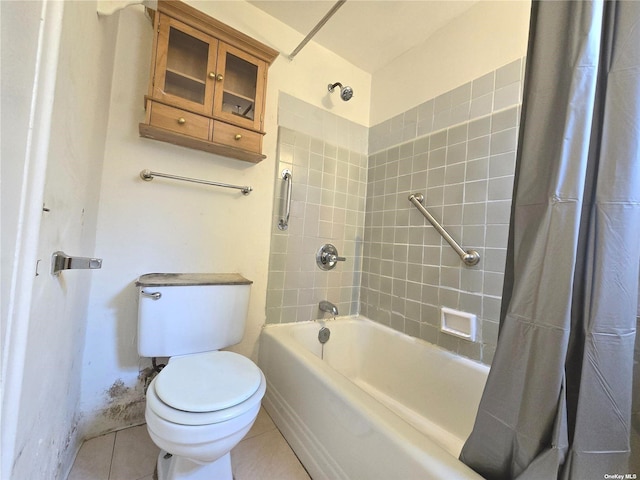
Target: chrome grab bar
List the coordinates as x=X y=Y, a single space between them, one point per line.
x=283 y=223
x=147 y=175
x=469 y=257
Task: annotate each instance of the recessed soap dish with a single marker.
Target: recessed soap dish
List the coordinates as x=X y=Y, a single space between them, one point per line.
x=460 y=324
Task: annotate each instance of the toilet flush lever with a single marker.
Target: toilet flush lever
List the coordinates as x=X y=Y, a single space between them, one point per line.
x=154 y=295
x=61 y=261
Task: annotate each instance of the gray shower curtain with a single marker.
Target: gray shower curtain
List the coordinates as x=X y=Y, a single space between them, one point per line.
x=558 y=398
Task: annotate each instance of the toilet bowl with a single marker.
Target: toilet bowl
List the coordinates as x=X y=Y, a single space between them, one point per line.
x=198 y=408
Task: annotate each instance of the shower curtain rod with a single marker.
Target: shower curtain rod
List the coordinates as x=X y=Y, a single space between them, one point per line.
x=315 y=29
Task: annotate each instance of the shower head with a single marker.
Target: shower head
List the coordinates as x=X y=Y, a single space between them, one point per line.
x=345 y=92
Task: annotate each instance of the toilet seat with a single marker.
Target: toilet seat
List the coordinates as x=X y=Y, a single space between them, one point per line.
x=206 y=388
x=206 y=382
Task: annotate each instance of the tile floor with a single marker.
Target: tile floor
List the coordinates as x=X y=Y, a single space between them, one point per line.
x=131 y=455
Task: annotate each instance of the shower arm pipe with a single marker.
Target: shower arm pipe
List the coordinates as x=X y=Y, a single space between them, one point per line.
x=469 y=257
x=317 y=28
x=147 y=175
x=283 y=223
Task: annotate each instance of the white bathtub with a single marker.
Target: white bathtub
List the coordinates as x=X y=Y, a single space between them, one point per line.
x=379 y=405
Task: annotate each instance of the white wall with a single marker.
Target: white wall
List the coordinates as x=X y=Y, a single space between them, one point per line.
x=169 y=226
x=65 y=139
x=308 y=74
x=484 y=38
x=19 y=22
x=23 y=26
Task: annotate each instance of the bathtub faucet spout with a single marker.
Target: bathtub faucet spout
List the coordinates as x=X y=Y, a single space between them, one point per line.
x=328 y=307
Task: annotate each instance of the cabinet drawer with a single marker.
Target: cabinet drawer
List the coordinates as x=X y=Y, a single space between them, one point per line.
x=236 y=137
x=179 y=121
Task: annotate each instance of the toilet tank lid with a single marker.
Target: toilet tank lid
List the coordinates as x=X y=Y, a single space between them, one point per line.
x=186 y=279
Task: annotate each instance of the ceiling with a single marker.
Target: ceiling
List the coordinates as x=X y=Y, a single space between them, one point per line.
x=367 y=33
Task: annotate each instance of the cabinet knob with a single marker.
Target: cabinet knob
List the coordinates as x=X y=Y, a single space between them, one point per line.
x=219 y=77
x=238 y=136
x=212 y=75
x=182 y=121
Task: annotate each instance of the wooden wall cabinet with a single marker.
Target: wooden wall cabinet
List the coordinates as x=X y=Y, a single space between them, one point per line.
x=207 y=85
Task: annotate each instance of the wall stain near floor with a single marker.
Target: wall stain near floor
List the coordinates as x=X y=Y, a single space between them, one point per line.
x=129 y=413
x=145 y=376
x=125 y=404
x=71 y=445
x=117 y=389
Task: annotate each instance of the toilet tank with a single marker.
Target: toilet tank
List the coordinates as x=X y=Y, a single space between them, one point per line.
x=182 y=313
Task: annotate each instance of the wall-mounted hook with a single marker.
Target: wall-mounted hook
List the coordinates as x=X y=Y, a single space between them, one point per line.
x=61 y=261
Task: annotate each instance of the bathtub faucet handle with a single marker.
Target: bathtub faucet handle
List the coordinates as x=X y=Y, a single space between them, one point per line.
x=327 y=257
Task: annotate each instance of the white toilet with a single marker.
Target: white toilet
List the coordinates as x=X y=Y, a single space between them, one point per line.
x=204 y=401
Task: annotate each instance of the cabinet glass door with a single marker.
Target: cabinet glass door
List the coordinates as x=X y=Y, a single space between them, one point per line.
x=242 y=84
x=185 y=74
